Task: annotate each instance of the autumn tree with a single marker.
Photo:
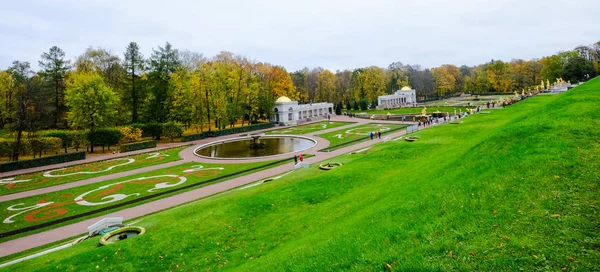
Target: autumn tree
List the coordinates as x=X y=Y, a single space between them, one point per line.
x=91 y=101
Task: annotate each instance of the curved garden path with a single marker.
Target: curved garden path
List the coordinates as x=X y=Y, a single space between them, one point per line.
x=64 y=232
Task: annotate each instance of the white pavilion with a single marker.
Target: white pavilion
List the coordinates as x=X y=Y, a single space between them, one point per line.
x=288 y=112
x=405 y=97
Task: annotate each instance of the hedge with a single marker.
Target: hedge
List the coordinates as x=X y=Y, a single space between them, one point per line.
x=229 y=131
x=137 y=146
x=11 y=166
x=193 y=137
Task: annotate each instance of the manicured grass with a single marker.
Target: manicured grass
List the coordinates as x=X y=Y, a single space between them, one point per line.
x=514 y=190
x=339 y=137
x=418 y=110
x=35 y=210
x=309 y=128
x=85 y=171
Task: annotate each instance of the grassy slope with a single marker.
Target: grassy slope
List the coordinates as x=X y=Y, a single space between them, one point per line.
x=514 y=189
x=309 y=128
x=39 y=181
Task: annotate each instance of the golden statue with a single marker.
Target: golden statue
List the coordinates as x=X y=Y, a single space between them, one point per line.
x=523 y=92
x=424 y=111
x=542 y=84
x=547 y=84
x=516 y=94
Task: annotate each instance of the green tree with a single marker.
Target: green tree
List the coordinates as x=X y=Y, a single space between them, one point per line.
x=54 y=70
x=91 y=101
x=163 y=62
x=134 y=65
x=180 y=97
x=7 y=99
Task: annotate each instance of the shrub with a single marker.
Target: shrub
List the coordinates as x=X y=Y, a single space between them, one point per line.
x=172 y=130
x=11 y=166
x=364 y=105
x=64 y=136
x=193 y=137
x=348 y=107
x=355 y=105
x=138 y=146
x=6 y=147
x=154 y=130
x=239 y=129
x=104 y=137
x=78 y=138
x=130 y=134
x=39 y=145
x=338 y=109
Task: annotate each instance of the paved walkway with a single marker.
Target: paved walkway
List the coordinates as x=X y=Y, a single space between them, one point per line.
x=60 y=233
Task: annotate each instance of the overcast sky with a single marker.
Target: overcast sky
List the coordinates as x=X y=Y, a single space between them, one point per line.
x=328 y=33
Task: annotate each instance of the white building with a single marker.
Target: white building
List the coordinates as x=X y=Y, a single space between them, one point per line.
x=405 y=97
x=288 y=112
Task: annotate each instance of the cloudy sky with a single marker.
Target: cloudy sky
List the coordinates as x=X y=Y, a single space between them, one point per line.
x=328 y=33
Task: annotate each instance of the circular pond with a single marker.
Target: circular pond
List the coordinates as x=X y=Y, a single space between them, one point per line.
x=241 y=148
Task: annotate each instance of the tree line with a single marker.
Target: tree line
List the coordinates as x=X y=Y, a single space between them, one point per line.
x=100 y=89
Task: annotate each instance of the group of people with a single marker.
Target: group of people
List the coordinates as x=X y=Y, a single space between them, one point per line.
x=296 y=158
x=376 y=134
x=349 y=114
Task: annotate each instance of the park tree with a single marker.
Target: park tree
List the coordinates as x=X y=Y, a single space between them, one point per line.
x=180 y=97
x=7 y=99
x=444 y=81
x=133 y=63
x=325 y=87
x=54 y=71
x=576 y=68
x=163 y=62
x=91 y=101
x=26 y=87
x=499 y=75
x=342 y=85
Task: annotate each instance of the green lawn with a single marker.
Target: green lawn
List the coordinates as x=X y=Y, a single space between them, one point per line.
x=309 y=128
x=85 y=171
x=340 y=137
x=516 y=190
x=411 y=110
x=35 y=210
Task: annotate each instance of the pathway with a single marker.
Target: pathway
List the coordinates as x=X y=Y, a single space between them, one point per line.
x=64 y=232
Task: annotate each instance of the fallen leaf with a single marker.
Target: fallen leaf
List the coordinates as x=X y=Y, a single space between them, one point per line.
x=501 y=245
x=555 y=215
x=451 y=254
x=534 y=256
x=494 y=212
x=556 y=177
x=472 y=252
x=160 y=257
x=388 y=266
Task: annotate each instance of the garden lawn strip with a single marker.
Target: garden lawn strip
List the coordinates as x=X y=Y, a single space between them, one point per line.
x=309 y=128
x=38 y=180
x=341 y=138
x=77 y=212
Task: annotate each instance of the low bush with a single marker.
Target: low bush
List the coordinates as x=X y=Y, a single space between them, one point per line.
x=138 y=146
x=104 y=137
x=11 y=166
x=193 y=137
x=65 y=137
x=172 y=130
x=235 y=130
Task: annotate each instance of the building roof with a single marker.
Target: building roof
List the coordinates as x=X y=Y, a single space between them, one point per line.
x=283 y=99
x=405 y=88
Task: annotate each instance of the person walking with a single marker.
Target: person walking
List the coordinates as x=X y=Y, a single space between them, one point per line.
x=295 y=159
x=379 y=134
x=301 y=158
x=371 y=134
